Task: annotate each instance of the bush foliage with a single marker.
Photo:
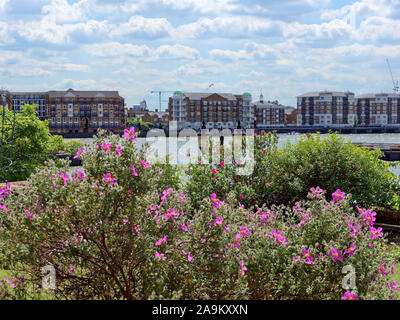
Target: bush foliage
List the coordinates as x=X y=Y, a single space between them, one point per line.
x=31 y=145
x=123 y=229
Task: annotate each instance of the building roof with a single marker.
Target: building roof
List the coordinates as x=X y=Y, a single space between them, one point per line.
x=27 y=93
x=202 y=95
x=83 y=94
x=334 y=93
x=374 y=95
x=157 y=113
x=267 y=104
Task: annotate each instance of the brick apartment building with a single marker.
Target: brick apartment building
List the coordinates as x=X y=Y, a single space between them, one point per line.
x=15 y=100
x=156 y=117
x=326 y=108
x=382 y=109
x=268 y=114
x=211 y=110
x=74 y=111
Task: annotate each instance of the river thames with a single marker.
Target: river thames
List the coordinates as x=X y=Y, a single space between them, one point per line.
x=284 y=138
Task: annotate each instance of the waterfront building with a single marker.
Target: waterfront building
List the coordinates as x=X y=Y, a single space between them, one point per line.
x=15 y=101
x=268 y=114
x=157 y=118
x=136 y=110
x=381 y=109
x=326 y=109
x=73 y=111
x=291 y=117
x=211 y=110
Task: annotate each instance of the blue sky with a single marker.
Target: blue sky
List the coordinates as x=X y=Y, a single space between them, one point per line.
x=280 y=47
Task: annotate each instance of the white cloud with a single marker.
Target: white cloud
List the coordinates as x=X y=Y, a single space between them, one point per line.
x=116 y=49
x=60 y=11
x=140 y=27
x=364 y=9
x=3 y=4
x=229 y=27
x=379 y=29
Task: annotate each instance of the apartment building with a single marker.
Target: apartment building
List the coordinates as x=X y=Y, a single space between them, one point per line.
x=157 y=118
x=211 y=110
x=136 y=110
x=268 y=114
x=73 y=111
x=326 y=108
x=382 y=109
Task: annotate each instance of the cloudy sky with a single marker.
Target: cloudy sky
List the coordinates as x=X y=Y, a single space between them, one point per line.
x=280 y=47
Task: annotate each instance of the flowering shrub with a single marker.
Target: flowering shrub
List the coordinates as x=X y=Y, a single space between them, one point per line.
x=122 y=229
x=285 y=175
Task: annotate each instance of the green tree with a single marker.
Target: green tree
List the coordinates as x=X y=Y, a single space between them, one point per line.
x=30 y=146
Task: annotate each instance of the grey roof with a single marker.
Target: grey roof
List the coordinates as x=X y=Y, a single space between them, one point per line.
x=374 y=95
x=267 y=104
x=317 y=94
x=84 y=94
x=202 y=95
x=25 y=93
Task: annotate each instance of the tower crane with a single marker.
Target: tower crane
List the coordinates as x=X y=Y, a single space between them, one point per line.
x=160 y=92
x=395 y=83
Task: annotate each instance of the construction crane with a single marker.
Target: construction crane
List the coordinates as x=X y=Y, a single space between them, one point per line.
x=160 y=92
x=395 y=83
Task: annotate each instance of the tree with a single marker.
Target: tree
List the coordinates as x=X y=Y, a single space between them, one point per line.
x=30 y=146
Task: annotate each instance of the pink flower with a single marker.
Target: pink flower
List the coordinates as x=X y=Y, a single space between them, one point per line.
x=350 y=250
x=376 y=233
x=3 y=207
x=65 y=177
x=109 y=179
x=190 y=258
x=129 y=134
x=78 y=153
x=170 y=213
x=383 y=270
x=243 y=269
x=219 y=220
x=159 y=255
x=160 y=241
x=368 y=216
x=133 y=170
x=118 y=149
x=279 y=238
x=308 y=257
x=316 y=192
x=244 y=231
x=106 y=147
x=236 y=242
x=338 y=195
x=215 y=201
x=349 y=296
x=336 y=255
x=144 y=163
x=80 y=174
x=71 y=269
x=221 y=163
x=241 y=197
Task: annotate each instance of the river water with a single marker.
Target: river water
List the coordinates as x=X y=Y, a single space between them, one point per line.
x=283 y=138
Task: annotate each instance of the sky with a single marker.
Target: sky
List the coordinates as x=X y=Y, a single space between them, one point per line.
x=282 y=48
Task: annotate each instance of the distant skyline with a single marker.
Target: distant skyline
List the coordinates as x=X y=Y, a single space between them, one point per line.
x=283 y=48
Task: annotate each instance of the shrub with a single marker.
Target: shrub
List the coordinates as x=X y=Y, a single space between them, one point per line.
x=31 y=145
x=285 y=175
x=121 y=230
